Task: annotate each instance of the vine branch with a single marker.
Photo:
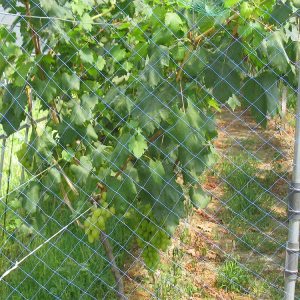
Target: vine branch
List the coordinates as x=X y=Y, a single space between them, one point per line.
x=37 y=47
x=104 y=13
x=197 y=41
x=29 y=102
x=115 y=270
x=35 y=38
x=108 y=250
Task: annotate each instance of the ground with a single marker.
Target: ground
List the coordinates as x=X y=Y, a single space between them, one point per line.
x=235 y=248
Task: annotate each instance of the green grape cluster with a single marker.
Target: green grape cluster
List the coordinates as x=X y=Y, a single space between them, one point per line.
x=296 y=3
x=151 y=239
x=96 y=222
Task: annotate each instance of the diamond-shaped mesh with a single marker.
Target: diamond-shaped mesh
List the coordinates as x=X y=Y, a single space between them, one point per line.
x=147 y=149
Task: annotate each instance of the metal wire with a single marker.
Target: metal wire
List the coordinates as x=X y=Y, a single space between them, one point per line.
x=222 y=205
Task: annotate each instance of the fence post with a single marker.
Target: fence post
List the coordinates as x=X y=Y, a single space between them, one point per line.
x=292 y=247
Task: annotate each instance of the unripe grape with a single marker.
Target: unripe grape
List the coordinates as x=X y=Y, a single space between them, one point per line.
x=127 y=215
x=97 y=212
x=112 y=210
x=97 y=221
x=94 y=220
x=107 y=213
x=95 y=233
x=86 y=223
x=104 y=196
x=91 y=239
x=101 y=223
x=296 y=3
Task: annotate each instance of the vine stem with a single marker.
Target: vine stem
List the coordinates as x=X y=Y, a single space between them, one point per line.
x=35 y=38
x=115 y=270
x=123 y=167
x=213 y=29
x=197 y=40
x=30 y=106
x=37 y=47
x=158 y=134
x=8 y=186
x=67 y=179
x=106 y=12
x=108 y=250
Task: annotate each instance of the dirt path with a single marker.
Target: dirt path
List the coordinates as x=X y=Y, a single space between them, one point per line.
x=209 y=238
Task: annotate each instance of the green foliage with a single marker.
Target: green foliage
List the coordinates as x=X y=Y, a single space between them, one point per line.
x=13 y=108
x=130 y=89
x=233 y=277
x=261 y=93
x=230 y=3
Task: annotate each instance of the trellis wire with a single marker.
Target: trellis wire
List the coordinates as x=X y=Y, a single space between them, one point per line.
x=214 y=9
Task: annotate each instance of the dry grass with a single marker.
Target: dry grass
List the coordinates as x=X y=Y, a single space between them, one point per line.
x=204 y=242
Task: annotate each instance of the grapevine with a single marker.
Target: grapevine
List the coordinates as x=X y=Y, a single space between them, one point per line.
x=130 y=90
x=96 y=222
x=151 y=239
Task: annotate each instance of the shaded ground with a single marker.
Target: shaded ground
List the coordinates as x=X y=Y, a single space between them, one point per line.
x=234 y=249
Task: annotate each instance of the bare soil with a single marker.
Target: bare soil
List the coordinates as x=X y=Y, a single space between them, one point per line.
x=204 y=240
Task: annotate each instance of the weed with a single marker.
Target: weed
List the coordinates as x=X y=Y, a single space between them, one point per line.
x=184 y=236
x=232 y=277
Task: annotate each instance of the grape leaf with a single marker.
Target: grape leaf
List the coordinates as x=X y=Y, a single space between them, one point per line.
x=118 y=53
x=12 y=111
x=45 y=90
x=196 y=62
x=100 y=63
x=70 y=81
x=224 y=79
x=230 y=3
x=138 y=145
x=121 y=152
x=82 y=171
x=31 y=197
x=118 y=101
x=173 y=21
x=153 y=106
x=86 y=22
x=153 y=70
x=281 y=13
x=273 y=48
x=100 y=155
x=261 y=94
x=199 y=198
x=157 y=171
x=86 y=56
x=120 y=192
x=165 y=198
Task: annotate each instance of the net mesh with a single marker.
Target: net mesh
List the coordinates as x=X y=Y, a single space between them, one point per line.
x=208 y=7
x=146 y=148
